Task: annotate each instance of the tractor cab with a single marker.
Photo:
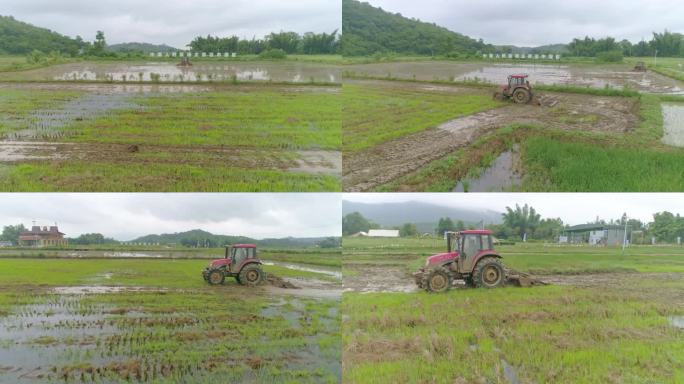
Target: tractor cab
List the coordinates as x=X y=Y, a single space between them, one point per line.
x=238 y=254
x=470 y=246
x=515 y=81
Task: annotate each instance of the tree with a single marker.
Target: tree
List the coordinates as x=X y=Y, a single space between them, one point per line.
x=667 y=227
x=444 y=225
x=91 y=239
x=330 y=242
x=522 y=220
x=355 y=223
x=99 y=45
x=408 y=230
x=549 y=229
x=12 y=232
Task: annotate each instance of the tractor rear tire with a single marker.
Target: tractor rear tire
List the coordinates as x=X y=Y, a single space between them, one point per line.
x=216 y=277
x=489 y=273
x=522 y=96
x=251 y=275
x=438 y=280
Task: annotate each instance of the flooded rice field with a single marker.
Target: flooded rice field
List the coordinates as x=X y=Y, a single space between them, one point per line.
x=596 y=76
x=166 y=337
x=673 y=124
x=200 y=71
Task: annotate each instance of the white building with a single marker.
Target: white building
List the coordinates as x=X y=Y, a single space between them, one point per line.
x=383 y=233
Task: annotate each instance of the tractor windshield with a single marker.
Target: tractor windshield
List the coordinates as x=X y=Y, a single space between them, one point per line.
x=239 y=255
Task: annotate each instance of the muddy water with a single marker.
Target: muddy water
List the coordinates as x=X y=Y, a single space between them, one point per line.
x=169 y=72
x=499 y=177
x=614 y=76
x=673 y=124
x=33 y=339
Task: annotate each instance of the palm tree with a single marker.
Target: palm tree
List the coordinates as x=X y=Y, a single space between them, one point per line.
x=521 y=220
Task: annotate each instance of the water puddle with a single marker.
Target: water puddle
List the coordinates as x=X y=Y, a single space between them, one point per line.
x=677 y=321
x=297 y=267
x=510 y=373
x=13 y=151
x=673 y=124
x=99 y=289
x=499 y=177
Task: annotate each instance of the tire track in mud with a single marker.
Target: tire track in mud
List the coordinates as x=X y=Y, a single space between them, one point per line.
x=388 y=161
x=312 y=162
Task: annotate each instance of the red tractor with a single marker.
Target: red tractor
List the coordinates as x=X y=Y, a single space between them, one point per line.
x=518 y=89
x=240 y=262
x=474 y=260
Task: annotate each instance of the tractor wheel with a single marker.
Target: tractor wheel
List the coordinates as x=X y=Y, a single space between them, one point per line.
x=438 y=280
x=489 y=273
x=216 y=277
x=237 y=278
x=251 y=275
x=522 y=96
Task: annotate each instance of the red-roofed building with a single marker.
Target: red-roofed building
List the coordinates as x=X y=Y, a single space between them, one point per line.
x=42 y=237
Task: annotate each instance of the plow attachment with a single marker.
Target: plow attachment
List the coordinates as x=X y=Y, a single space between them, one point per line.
x=522 y=279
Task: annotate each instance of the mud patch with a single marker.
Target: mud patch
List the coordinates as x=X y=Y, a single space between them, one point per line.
x=298 y=267
x=673 y=124
x=371 y=279
x=278 y=282
x=17 y=151
x=500 y=176
x=318 y=162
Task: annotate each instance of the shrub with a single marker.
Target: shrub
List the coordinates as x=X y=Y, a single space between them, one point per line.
x=614 y=56
x=273 y=54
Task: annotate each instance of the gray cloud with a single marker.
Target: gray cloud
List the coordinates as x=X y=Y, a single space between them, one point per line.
x=176 y=22
x=125 y=216
x=573 y=208
x=534 y=22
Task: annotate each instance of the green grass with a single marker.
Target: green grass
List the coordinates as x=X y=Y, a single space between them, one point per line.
x=248 y=117
x=125 y=272
x=82 y=176
x=548 y=334
x=376 y=114
x=554 y=165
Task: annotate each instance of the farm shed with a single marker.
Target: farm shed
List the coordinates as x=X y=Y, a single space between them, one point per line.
x=41 y=237
x=595 y=234
x=383 y=233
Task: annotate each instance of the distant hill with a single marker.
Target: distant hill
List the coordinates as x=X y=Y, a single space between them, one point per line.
x=203 y=238
x=140 y=47
x=20 y=38
x=543 y=49
x=424 y=215
x=367 y=30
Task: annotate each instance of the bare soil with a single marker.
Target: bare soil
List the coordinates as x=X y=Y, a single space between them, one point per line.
x=388 y=161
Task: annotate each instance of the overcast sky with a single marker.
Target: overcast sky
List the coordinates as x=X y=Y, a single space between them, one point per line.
x=127 y=216
x=175 y=22
x=573 y=208
x=537 y=22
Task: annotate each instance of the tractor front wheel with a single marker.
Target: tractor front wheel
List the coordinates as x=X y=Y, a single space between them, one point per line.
x=216 y=277
x=489 y=273
x=522 y=96
x=251 y=275
x=438 y=280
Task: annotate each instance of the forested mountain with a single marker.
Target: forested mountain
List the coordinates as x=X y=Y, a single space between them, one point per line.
x=198 y=237
x=17 y=37
x=367 y=30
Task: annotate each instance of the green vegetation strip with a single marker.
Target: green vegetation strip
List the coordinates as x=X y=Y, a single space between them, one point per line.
x=376 y=114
